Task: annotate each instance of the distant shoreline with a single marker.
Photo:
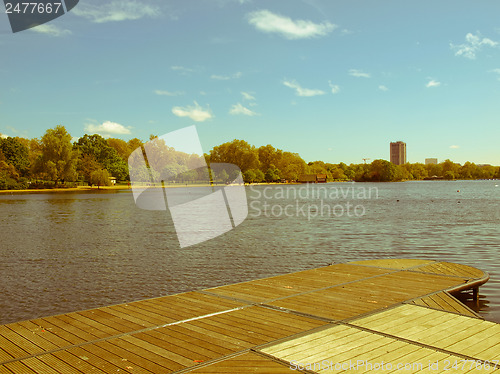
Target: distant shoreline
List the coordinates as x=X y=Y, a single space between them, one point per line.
x=129 y=188
x=70 y=189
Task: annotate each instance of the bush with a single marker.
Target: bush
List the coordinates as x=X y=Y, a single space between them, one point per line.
x=8 y=183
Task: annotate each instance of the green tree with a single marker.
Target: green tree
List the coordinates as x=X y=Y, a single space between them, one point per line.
x=86 y=165
x=268 y=155
x=291 y=166
x=249 y=176
x=383 y=171
x=133 y=144
x=121 y=147
x=57 y=159
x=16 y=154
x=272 y=174
x=451 y=170
x=468 y=171
x=259 y=176
x=104 y=154
x=100 y=177
x=237 y=152
x=434 y=170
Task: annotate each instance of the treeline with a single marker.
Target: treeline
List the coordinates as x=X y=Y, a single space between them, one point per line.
x=269 y=164
x=55 y=160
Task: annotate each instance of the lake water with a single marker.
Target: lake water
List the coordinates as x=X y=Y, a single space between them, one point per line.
x=64 y=252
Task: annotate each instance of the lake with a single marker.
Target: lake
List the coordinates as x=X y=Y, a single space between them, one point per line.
x=62 y=252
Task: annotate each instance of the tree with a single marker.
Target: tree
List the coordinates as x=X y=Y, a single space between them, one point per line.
x=249 y=176
x=272 y=174
x=259 y=176
x=268 y=156
x=133 y=144
x=57 y=159
x=86 y=165
x=337 y=173
x=121 y=147
x=104 y=154
x=16 y=154
x=468 y=171
x=237 y=152
x=450 y=169
x=100 y=177
x=291 y=166
x=383 y=171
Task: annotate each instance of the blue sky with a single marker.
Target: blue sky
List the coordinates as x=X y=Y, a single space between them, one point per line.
x=331 y=80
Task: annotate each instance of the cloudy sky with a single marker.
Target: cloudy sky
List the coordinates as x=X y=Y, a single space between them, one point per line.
x=331 y=80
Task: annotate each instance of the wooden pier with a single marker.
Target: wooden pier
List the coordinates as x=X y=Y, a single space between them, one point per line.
x=361 y=316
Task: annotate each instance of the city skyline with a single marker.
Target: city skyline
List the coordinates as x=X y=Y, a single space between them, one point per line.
x=332 y=82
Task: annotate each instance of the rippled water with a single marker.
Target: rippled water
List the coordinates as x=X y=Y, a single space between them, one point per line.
x=71 y=251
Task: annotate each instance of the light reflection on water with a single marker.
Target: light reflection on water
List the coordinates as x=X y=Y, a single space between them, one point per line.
x=67 y=252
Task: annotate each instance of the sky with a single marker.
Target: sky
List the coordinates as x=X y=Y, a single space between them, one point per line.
x=331 y=80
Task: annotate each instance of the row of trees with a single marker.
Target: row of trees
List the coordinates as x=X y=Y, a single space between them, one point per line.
x=54 y=157
x=269 y=164
x=93 y=159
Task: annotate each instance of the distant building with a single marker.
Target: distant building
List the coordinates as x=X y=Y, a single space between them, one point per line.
x=398 y=153
x=431 y=161
x=312 y=178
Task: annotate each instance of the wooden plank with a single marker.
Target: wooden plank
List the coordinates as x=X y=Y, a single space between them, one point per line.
x=131 y=359
x=18 y=341
x=19 y=367
x=182 y=338
x=393 y=263
x=58 y=364
x=112 y=356
x=102 y=364
x=246 y=363
x=44 y=333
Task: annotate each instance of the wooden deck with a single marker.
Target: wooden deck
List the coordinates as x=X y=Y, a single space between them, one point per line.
x=338 y=318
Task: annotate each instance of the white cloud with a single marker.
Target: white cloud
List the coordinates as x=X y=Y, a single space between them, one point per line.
x=168 y=93
x=240 y=109
x=300 y=91
x=269 y=22
x=107 y=128
x=4 y=136
x=473 y=44
x=49 y=29
x=196 y=112
x=226 y=77
x=383 y=88
x=433 y=83
x=358 y=73
x=496 y=71
x=335 y=88
x=115 y=11
x=182 y=69
x=247 y=96
x=454 y=146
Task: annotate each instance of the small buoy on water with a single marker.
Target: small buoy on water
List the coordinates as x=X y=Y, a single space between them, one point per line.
x=458 y=190
x=397 y=200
